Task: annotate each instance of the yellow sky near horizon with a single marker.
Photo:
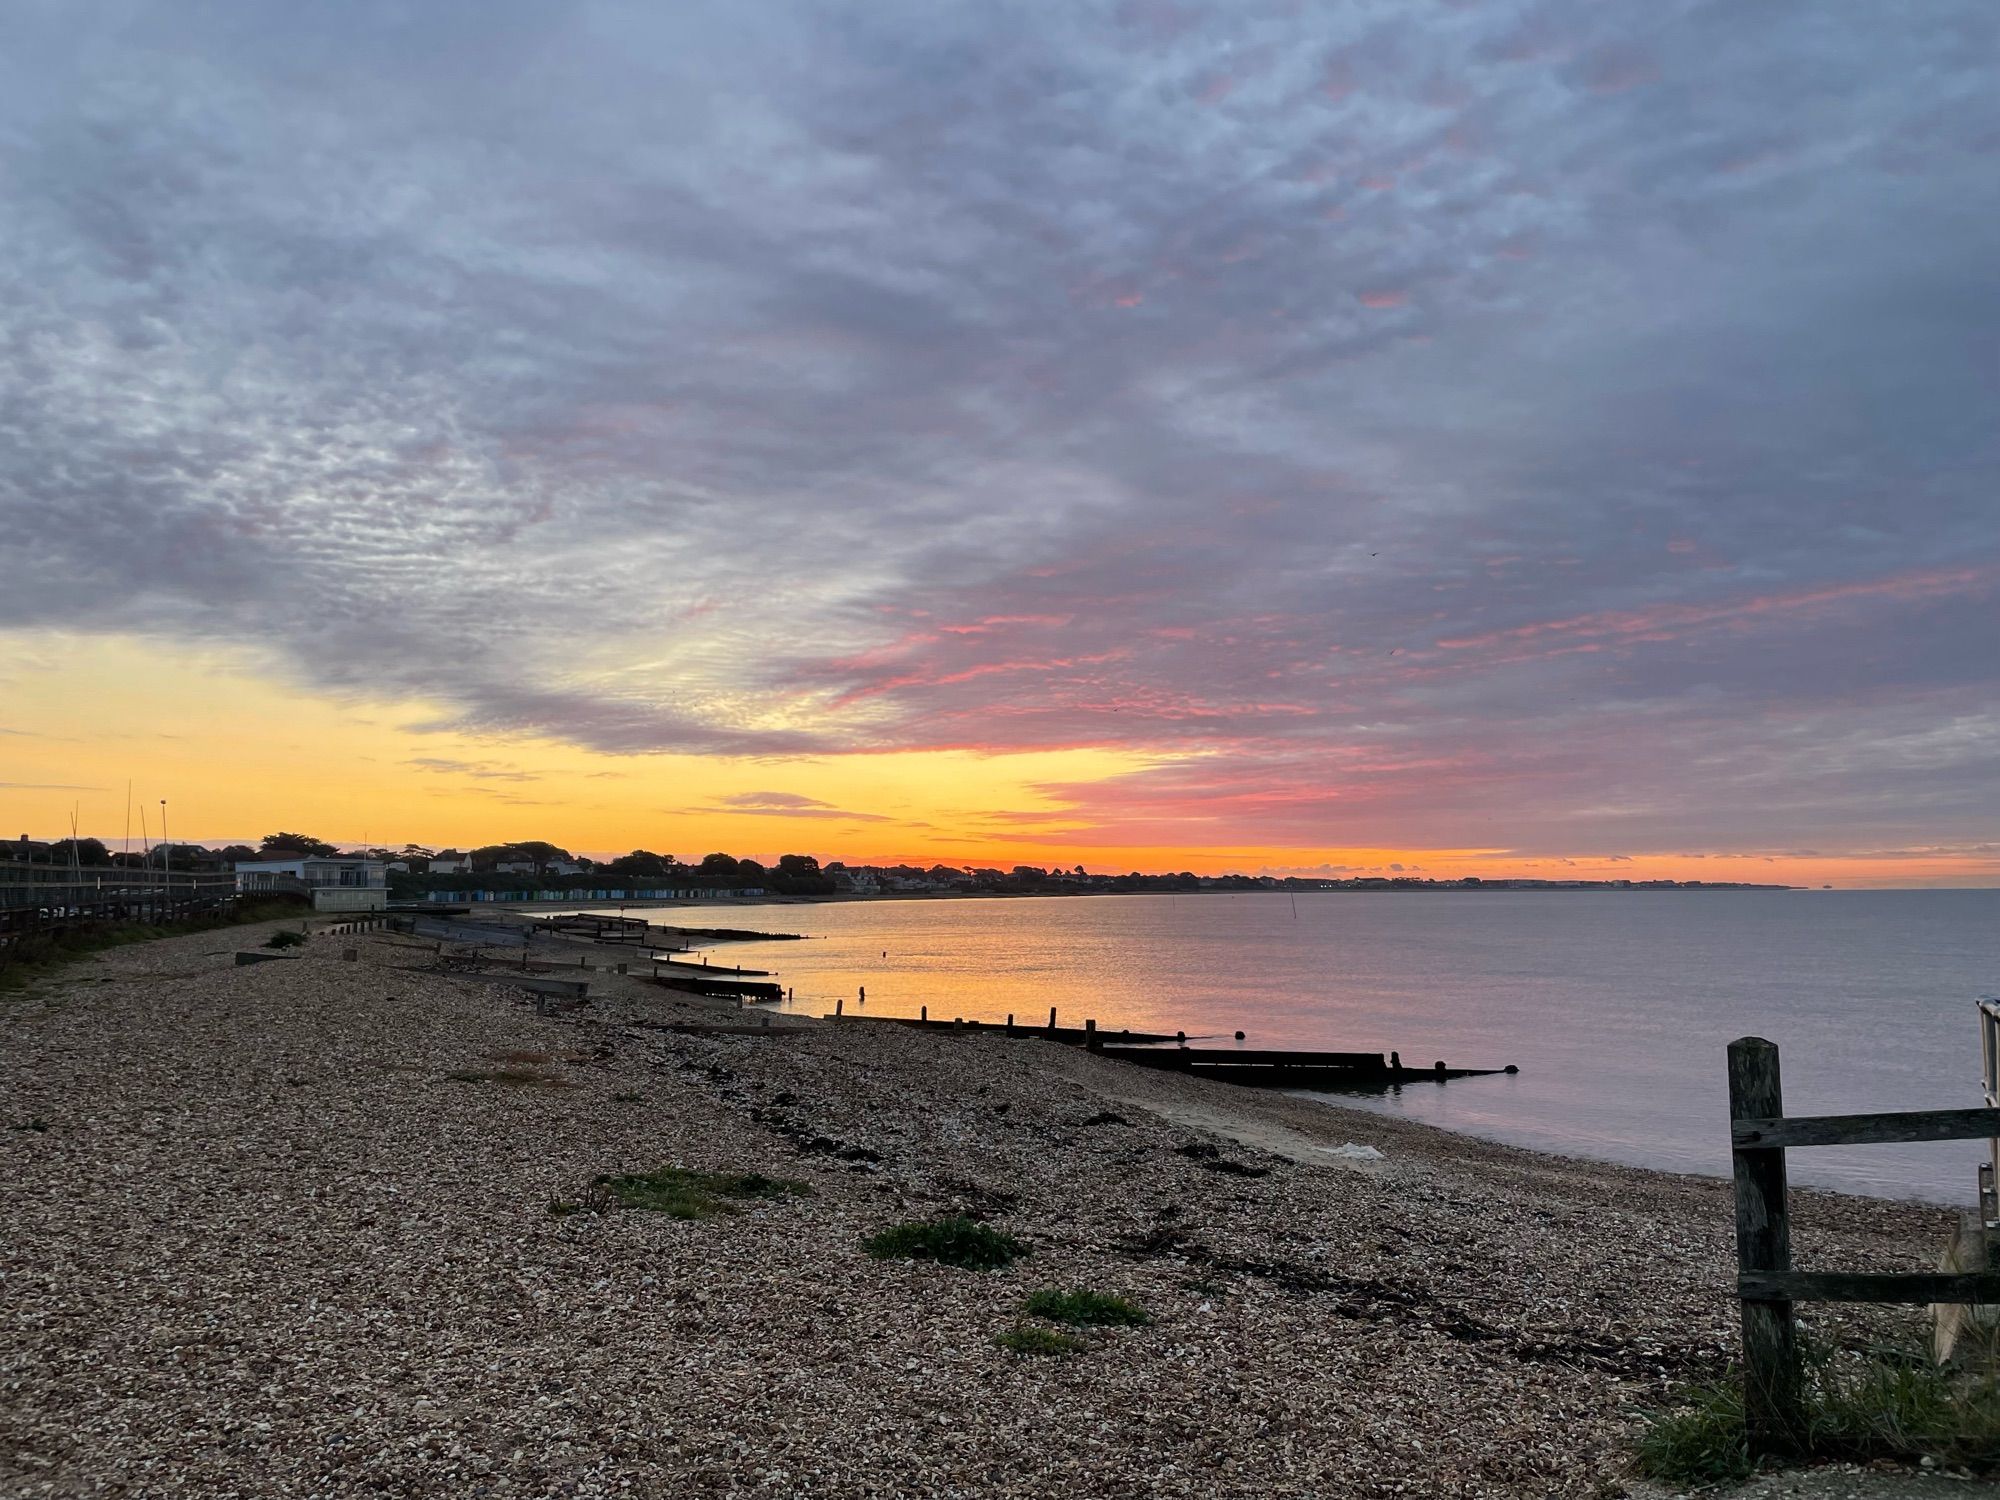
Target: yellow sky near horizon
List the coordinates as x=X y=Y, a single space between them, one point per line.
x=239 y=753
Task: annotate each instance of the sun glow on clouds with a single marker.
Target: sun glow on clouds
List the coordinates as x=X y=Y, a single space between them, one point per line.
x=1438 y=444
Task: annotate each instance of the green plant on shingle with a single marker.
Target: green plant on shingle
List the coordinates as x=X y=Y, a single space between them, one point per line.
x=1026 y=1339
x=284 y=937
x=683 y=1194
x=1083 y=1308
x=952 y=1241
x=1701 y=1440
x=1856 y=1406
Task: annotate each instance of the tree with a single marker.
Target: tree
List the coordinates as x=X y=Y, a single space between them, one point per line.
x=234 y=853
x=800 y=875
x=87 y=852
x=540 y=852
x=718 y=869
x=640 y=862
x=292 y=845
x=749 y=872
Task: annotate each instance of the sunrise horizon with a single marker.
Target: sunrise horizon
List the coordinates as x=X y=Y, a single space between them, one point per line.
x=984 y=751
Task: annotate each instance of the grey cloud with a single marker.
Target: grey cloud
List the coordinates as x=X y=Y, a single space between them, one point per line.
x=794 y=805
x=672 y=380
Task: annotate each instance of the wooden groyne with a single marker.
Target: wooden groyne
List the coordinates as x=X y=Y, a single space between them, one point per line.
x=718 y=988
x=682 y=966
x=598 y=929
x=1075 y=1036
x=1245 y=1066
x=1291 y=1070
x=734 y=935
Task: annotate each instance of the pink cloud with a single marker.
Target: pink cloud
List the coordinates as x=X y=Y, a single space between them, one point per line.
x=1216 y=89
x=1669 y=621
x=1387 y=297
x=1617 y=70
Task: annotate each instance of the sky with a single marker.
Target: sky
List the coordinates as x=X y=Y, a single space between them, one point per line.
x=1438 y=438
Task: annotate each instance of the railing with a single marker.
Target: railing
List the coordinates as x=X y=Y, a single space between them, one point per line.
x=1760 y=1134
x=37 y=898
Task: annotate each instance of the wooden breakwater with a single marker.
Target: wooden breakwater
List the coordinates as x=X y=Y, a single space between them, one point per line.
x=682 y=966
x=1247 y=1067
x=1291 y=1070
x=734 y=935
x=598 y=929
x=718 y=988
x=1075 y=1036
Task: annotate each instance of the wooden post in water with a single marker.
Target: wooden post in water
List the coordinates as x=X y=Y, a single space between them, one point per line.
x=923 y=1012
x=1772 y=1415
x=1052 y=1020
x=1090 y=1036
x=840 y=1005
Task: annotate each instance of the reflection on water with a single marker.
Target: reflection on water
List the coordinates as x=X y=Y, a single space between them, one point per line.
x=1616 y=1006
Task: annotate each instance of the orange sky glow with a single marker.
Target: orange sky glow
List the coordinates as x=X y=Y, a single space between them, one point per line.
x=238 y=753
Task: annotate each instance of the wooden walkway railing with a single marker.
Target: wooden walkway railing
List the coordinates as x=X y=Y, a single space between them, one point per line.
x=1759 y=1135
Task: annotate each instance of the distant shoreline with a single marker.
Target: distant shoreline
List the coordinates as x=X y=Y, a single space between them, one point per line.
x=868 y=897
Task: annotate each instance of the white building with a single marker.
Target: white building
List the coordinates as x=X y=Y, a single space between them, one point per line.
x=336 y=882
x=451 y=862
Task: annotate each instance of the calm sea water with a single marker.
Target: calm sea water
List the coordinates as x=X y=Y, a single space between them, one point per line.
x=1617 y=1007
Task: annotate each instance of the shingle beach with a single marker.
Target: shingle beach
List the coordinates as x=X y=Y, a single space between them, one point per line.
x=301 y=1229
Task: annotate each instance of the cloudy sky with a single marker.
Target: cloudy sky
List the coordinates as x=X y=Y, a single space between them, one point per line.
x=1461 y=434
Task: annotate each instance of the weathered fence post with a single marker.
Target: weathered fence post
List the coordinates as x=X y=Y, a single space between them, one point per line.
x=1772 y=1415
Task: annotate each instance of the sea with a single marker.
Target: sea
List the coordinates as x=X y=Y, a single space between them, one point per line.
x=1615 y=1006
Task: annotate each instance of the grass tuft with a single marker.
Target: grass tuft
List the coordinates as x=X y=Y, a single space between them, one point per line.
x=1083 y=1308
x=284 y=937
x=1701 y=1441
x=952 y=1241
x=1860 y=1407
x=1026 y=1339
x=684 y=1194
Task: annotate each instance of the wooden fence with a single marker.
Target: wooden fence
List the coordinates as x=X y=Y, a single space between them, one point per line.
x=46 y=898
x=1760 y=1134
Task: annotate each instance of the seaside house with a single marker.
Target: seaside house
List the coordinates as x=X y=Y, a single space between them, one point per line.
x=337 y=882
x=451 y=862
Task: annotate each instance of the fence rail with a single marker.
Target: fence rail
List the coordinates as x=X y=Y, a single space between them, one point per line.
x=46 y=898
x=1760 y=1133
